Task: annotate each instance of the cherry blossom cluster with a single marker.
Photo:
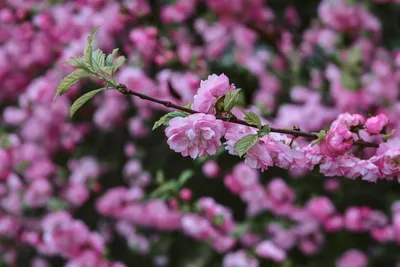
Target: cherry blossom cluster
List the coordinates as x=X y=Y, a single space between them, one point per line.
x=213 y=223
x=200 y=134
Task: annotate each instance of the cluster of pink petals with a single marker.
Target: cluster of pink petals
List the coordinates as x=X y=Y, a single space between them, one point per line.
x=210 y=91
x=333 y=153
x=196 y=135
x=202 y=229
x=343 y=16
x=125 y=204
x=62 y=235
x=317 y=216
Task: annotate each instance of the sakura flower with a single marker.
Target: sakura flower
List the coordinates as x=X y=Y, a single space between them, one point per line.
x=210 y=91
x=196 y=135
x=352 y=258
x=268 y=250
x=239 y=259
x=375 y=125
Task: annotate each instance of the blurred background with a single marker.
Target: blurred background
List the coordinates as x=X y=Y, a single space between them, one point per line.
x=103 y=188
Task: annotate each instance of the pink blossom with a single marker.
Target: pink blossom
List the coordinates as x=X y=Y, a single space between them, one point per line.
x=242 y=178
x=185 y=194
x=39 y=262
x=233 y=133
x=343 y=16
x=334 y=224
x=77 y=194
x=352 y=258
x=375 y=125
x=196 y=226
x=210 y=91
x=338 y=141
x=321 y=208
x=269 y=250
x=258 y=157
x=239 y=259
x=178 y=12
x=211 y=169
x=38 y=193
x=195 y=135
x=14 y=116
x=280 y=196
x=387 y=158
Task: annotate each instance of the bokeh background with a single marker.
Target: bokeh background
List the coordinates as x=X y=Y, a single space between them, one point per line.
x=297 y=62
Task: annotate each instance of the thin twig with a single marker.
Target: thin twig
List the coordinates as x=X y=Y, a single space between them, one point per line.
x=124 y=90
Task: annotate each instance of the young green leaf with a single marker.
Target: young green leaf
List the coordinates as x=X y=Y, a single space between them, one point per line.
x=219 y=105
x=69 y=81
x=110 y=57
x=231 y=99
x=79 y=63
x=386 y=137
x=98 y=60
x=350 y=81
x=185 y=176
x=160 y=179
x=354 y=57
x=167 y=117
x=89 y=46
x=321 y=135
x=188 y=105
x=264 y=130
x=218 y=219
x=239 y=230
x=83 y=99
x=4 y=140
x=120 y=60
x=252 y=119
x=245 y=143
x=57 y=204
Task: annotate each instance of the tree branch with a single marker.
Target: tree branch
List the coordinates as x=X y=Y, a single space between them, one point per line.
x=124 y=90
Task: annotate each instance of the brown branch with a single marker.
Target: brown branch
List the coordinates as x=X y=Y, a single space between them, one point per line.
x=124 y=90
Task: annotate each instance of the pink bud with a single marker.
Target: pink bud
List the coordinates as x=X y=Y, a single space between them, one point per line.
x=185 y=194
x=211 y=169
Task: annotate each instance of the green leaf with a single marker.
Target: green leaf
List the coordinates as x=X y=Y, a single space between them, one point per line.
x=167 y=117
x=110 y=57
x=321 y=135
x=89 y=46
x=188 y=105
x=231 y=99
x=264 y=130
x=107 y=70
x=69 y=81
x=239 y=230
x=98 y=60
x=386 y=137
x=245 y=143
x=21 y=167
x=252 y=119
x=83 y=99
x=79 y=63
x=354 y=57
x=350 y=81
x=219 y=105
x=4 y=140
x=57 y=204
x=185 y=176
x=120 y=60
x=218 y=219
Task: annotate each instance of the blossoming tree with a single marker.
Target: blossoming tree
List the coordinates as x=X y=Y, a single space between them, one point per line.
x=221 y=133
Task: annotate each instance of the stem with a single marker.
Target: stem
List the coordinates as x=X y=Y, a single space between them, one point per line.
x=124 y=90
